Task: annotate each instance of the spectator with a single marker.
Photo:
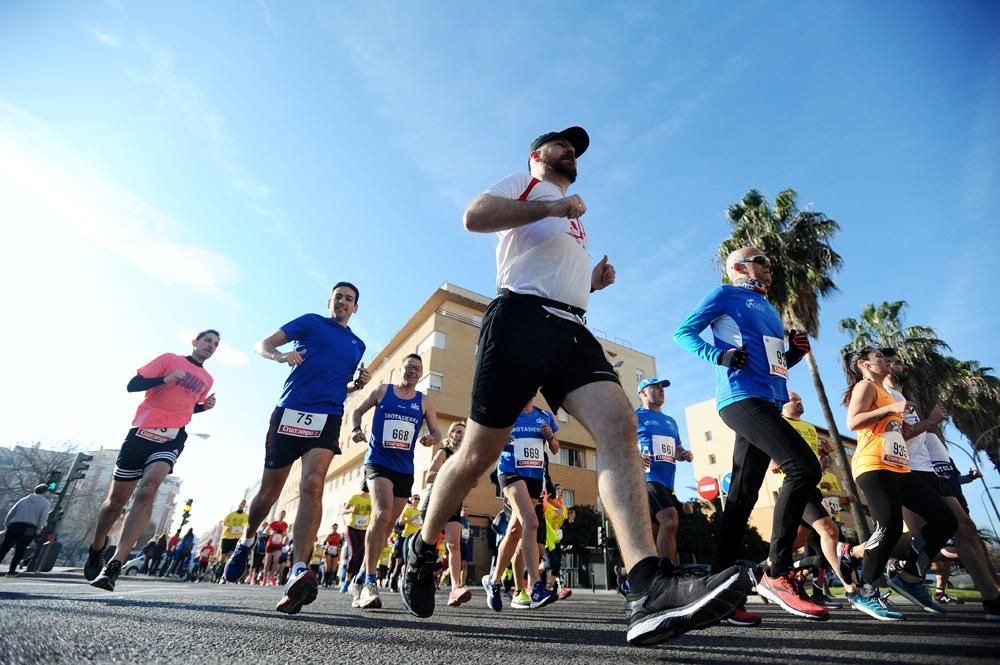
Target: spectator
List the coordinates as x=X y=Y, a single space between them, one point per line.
x=24 y=520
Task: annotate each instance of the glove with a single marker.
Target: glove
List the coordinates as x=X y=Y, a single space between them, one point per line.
x=734 y=358
x=798 y=347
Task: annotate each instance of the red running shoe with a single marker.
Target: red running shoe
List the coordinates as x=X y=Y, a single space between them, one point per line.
x=787 y=592
x=743 y=618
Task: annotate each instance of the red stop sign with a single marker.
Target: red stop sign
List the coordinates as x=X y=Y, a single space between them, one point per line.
x=708 y=488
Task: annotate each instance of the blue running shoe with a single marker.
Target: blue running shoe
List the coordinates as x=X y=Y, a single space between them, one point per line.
x=236 y=567
x=540 y=596
x=868 y=600
x=345 y=586
x=915 y=592
x=494 y=600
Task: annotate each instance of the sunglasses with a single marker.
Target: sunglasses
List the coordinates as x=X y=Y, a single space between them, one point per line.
x=760 y=260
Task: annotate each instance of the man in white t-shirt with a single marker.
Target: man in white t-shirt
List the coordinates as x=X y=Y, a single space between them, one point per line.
x=533 y=336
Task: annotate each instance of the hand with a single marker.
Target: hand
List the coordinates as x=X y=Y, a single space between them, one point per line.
x=974 y=474
x=775 y=468
x=899 y=407
x=687 y=508
x=685 y=456
x=603 y=275
x=359 y=436
x=647 y=461
x=427 y=440
x=175 y=376
x=364 y=376
x=734 y=358
x=799 y=341
x=293 y=358
x=937 y=416
x=571 y=207
x=209 y=402
x=547 y=433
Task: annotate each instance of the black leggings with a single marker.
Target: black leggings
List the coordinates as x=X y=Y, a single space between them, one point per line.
x=887 y=492
x=356 y=551
x=762 y=435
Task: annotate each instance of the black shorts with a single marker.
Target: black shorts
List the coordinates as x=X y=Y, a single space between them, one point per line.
x=934 y=482
x=285 y=443
x=145 y=446
x=228 y=545
x=402 y=483
x=534 y=484
x=467 y=550
x=522 y=348
x=814 y=510
x=660 y=498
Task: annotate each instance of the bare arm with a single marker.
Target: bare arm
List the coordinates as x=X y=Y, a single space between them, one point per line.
x=859 y=414
x=433 y=435
x=928 y=424
x=488 y=213
x=268 y=348
x=439 y=459
x=373 y=398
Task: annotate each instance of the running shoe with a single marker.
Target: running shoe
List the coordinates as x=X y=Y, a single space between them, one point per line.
x=95 y=562
x=915 y=592
x=743 y=618
x=848 y=564
x=670 y=606
x=540 y=596
x=521 y=600
x=992 y=609
x=345 y=586
x=565 y=593
x=868 y=600
x=355 y=590
x=458 y=596
x=944 y=599
x=236 y=567
x=786 y=591
x=369 y=599
x=820 y=597
x=106 y=580
x=621 y=582
x=301 y=589
x=417 y=587
x=494 y=600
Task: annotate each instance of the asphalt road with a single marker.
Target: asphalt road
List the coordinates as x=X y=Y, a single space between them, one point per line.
x=147 y=621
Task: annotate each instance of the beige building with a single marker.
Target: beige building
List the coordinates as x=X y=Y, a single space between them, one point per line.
x=445 y=331
x=712 y=443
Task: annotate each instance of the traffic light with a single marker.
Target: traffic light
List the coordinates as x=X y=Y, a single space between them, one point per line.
x=54 y=478
x=187 y=512
x=80 y=467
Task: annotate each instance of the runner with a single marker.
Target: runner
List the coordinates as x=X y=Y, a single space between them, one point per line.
x=400 y=412
x=752 y=366
x=305 y=425
x=453 y=529
x=331 y=556
x=533 y=336
x=358 y=510
x=277 y=533
x=176 y=387
x=881 y=468
x=256 y=574
x=467 y=552
x=555 y=513
x=928 y=455
x=205 y=553
x=233 y=527
x=410 y=520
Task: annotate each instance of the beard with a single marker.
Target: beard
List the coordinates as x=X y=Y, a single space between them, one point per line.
x=563 y=168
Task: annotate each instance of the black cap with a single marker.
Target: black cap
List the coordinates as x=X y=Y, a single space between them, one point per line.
x=577 y=136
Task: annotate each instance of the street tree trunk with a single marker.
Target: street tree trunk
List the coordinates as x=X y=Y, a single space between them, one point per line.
x=864 y=531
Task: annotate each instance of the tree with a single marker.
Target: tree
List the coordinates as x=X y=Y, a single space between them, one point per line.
x=802 y=264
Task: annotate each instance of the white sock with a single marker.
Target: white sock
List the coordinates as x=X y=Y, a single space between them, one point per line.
x=298 y=567
x=249 y=542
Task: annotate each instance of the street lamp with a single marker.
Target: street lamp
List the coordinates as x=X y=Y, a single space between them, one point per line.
x=972 y=456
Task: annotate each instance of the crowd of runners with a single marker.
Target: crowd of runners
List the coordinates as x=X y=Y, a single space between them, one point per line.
x=534 y=338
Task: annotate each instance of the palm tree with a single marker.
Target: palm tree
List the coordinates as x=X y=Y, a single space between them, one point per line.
x=802 y=264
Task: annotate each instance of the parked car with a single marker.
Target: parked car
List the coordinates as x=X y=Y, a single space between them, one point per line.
x=133 y=566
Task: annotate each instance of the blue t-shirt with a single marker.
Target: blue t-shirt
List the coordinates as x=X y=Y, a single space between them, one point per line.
x=395 y=429
x=524 y=455
x=739 y=316
x=319 y=384
x=658 y=441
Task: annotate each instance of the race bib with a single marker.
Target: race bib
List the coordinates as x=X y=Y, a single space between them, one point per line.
x=528 y=453
x=558 y=535
x=466 y=533
x=664 y=448
x=235 y=530
x=832 y=504
x=360 y=521
x=397 y=434
x=302 y=424
x=417 y=520
x=775 y=349
x=159 y=434
x=894 y=452
x=277 y=538
x=332 y=550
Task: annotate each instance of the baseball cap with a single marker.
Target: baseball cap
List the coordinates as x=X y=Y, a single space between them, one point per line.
x=645 y=383
x=577 y=137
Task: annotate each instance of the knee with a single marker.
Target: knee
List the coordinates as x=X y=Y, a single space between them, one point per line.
x=144 y=494
x=312 y=485
x=667 y=521
x=529 y=523
x=381 y=519
x=966 y=528
x=828 y=530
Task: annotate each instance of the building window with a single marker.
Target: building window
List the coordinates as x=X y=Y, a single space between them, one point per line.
x=639 y=376
x=575 y=457
x=711 y=459
x=431 y=381
x=436 y=340
x=708 y=436
x=569 y=499
x=562 y=416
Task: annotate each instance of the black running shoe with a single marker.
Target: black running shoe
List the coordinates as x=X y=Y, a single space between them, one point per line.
x=106 y=580
x=95 y=562
x=671 y=605
x=417 y=585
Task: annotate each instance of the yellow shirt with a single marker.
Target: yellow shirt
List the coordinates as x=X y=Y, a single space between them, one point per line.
x=412 y=521
x=362 y=504
x=386 y=555
x=235 y=525
x=830 y=478
x=881 y=446
x=807 y=432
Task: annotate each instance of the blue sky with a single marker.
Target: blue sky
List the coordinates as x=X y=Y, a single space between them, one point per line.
x=168 y=168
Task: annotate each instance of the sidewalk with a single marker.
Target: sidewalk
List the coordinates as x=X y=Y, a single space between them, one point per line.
x=69 y=572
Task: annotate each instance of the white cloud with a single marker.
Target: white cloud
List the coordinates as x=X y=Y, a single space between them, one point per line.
x=102 y=36
x=225 y=354
x=39 y=179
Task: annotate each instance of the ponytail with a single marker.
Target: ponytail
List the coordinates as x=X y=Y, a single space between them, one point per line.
x=851 y=371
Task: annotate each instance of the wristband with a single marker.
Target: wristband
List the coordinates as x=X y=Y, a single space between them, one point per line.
x=356 y=429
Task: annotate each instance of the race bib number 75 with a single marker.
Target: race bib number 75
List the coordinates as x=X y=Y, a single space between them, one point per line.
x=302 y=424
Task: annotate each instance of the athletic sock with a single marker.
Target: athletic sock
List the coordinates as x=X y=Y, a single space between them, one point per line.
x=360 y=577
x=641 y=574
x=248 y=541
x=371 y=578
x=298 y=567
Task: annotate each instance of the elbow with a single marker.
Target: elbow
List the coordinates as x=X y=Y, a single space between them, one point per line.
x=471 y=221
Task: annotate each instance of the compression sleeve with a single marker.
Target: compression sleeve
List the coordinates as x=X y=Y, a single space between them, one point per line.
x=139 y=383
x=198 y=408
x=688 y=334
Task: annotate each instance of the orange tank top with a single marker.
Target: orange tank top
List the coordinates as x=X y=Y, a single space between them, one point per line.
x=881 y=446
